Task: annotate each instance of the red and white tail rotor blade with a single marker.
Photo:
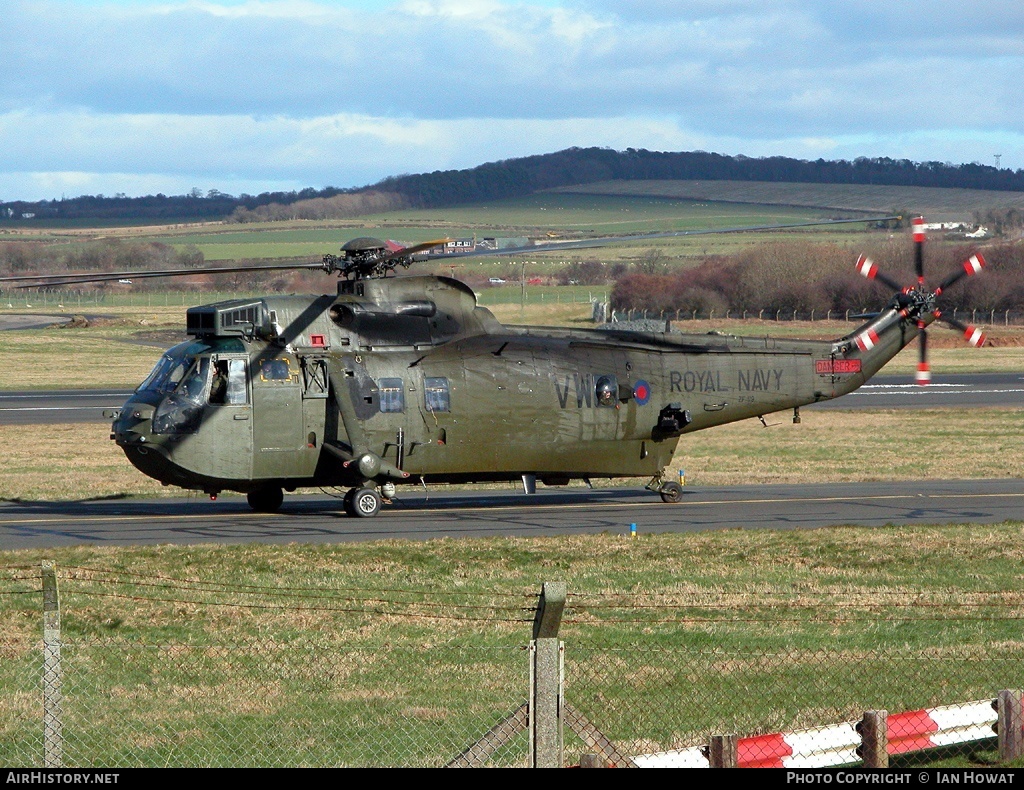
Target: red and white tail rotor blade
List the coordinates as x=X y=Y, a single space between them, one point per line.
x=924 y=370
x=971 y=267
x=971 y=333
x=918 y=226
x=867 y=269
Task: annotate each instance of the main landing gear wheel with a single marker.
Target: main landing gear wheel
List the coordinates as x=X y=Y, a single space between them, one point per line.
x=266 y=500
x=362 y=502
x=671 y=493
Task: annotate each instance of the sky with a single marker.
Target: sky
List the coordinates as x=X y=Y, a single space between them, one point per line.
x=141 y=97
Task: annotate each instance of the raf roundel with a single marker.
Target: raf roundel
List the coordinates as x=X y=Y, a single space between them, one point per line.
x=642 y=392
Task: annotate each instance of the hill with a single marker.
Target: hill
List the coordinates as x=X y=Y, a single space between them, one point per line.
x=517 y=178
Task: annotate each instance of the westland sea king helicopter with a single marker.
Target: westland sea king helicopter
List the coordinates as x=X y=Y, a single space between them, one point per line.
x=406 y=379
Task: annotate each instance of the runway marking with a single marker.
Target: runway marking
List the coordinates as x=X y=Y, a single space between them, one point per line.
x=70 y=394
x=931 y=389
x=53 y=408
x=498 y=508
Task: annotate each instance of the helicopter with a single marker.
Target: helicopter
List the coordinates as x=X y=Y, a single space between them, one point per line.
x=406 y=380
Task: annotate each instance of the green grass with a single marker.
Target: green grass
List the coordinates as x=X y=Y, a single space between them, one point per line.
x=403 y=653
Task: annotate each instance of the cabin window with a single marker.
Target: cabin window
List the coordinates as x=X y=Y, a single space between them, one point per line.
x=392 y=395
x=275 y=370
x=436 y=394
x=606 y=390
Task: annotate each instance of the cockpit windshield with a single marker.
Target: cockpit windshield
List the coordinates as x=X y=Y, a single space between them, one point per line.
x=181 y=410
x=167 y=374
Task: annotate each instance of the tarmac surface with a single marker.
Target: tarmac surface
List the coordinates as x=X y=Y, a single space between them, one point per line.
x=415 y=515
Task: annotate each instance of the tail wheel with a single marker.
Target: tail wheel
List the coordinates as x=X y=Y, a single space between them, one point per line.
x=265 y=500
x=671 y=492
x=365 y=502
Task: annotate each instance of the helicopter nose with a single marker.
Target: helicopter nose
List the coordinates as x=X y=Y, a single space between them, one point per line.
x=133 y=424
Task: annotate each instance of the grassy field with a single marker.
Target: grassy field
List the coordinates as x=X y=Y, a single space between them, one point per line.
x=545 y=216
x=937 y=205
x=399 y=653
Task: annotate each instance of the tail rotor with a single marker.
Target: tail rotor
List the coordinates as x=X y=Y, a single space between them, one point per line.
x=917 y=302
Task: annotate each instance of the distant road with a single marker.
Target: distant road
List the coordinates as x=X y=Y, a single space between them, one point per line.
x=882 y=392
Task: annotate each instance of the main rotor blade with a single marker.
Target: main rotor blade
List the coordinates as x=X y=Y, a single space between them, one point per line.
x=423 y=245
x=604 y=241
x=47 y=280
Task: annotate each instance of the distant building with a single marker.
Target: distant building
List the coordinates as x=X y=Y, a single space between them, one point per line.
x=455 y=245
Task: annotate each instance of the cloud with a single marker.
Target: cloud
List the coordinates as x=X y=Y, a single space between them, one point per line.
x=313 y=92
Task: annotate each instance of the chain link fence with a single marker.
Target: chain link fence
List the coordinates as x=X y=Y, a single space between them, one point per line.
x=307 y=702
x=634 y=689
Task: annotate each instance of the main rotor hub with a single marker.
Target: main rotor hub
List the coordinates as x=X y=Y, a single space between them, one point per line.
x=364 y=257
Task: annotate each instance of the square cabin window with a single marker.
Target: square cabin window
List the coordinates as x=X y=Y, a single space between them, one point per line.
x=436 y=394
x=392 y=395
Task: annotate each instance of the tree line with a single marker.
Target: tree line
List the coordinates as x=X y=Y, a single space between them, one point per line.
x=106 y=256
x=517 y=177
x=804 y=277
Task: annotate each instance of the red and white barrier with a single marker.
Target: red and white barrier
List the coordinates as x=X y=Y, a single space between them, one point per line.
x=837 y=744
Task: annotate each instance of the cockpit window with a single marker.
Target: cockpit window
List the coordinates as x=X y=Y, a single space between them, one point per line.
x=167 y=374
x=193 y=385
x=181 y=411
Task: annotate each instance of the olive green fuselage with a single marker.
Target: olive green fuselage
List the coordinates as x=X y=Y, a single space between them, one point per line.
x=408 y=380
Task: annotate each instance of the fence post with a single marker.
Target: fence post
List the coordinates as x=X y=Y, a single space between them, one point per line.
x=1009 y=725
x=874 y=739
x=546 y=679
x=723 y=751
x=53 y=734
